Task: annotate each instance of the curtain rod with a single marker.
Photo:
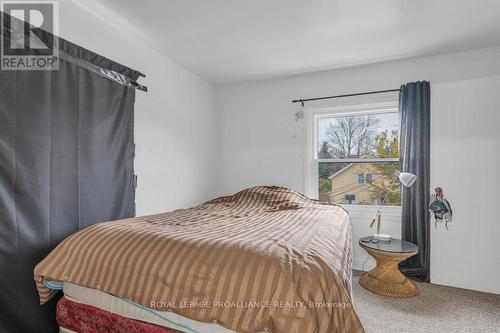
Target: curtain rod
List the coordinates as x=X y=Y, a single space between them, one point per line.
x=346 y=95
x=106 y=73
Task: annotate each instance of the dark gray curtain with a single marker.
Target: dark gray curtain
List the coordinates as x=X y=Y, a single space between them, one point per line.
x=66 y=162
x=414 y=105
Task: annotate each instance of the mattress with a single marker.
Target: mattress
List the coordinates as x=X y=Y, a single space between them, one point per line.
x=265 y=258
x=135 y=311
x=79 y=317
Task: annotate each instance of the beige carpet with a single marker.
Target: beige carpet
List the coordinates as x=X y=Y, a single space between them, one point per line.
x=436 y=309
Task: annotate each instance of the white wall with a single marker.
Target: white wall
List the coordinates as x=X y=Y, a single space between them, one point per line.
x=175 y=127
x=261 y=143
x=465 y=160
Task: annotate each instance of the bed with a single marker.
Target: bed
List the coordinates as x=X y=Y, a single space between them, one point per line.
x=266 y=259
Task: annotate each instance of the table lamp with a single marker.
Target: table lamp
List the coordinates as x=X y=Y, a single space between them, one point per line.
x=407 y=179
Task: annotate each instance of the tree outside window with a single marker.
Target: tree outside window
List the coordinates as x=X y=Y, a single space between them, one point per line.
x=358 y=156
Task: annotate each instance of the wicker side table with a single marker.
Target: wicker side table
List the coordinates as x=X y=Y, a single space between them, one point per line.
x=386 y=279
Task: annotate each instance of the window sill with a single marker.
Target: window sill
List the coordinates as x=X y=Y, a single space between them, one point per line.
x=372 y=210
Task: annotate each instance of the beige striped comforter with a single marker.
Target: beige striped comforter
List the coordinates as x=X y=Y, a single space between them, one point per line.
x=266 y=258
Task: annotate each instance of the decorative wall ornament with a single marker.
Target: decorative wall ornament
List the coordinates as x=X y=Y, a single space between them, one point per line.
x=440 y=208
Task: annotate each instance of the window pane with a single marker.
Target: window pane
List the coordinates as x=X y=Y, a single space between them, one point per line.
x=350 y=199
x=368 y=178
x=339 y=183
x=361 y=136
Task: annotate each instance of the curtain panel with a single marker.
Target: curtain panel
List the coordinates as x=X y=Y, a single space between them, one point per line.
x=414 y=104
x=66 y=162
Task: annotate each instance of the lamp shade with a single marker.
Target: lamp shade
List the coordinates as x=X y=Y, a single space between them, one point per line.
x=406 y=178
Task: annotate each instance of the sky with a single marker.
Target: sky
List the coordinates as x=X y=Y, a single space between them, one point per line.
x=387 y=121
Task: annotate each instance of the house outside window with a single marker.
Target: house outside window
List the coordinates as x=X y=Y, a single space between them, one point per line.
x=352 y=153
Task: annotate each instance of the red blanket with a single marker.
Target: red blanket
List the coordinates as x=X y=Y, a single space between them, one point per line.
x=85 y=318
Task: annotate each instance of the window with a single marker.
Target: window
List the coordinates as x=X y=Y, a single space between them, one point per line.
x=365 y=178
x=353 y=153
x=350 y=199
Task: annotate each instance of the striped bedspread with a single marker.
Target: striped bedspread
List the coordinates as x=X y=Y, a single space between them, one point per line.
x=264 y=259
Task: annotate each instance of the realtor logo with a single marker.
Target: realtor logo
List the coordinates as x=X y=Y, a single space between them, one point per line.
x=28 y=30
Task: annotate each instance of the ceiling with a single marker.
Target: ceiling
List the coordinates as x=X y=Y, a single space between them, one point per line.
x=227 y=41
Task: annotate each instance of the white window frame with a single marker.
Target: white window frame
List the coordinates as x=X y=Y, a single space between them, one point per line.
x=311 y=147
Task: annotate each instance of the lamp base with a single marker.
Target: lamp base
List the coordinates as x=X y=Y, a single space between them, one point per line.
x=382 y=237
